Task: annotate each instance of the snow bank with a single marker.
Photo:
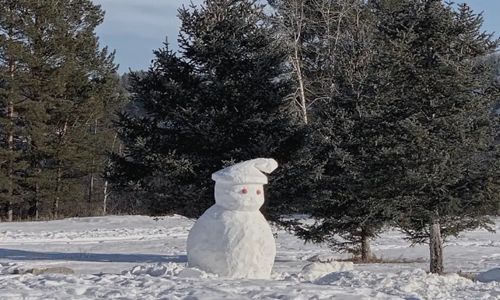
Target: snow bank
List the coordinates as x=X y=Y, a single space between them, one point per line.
x=316 y=270
x=414 y=284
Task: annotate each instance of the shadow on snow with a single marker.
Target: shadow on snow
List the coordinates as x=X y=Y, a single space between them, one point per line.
x=13 y=254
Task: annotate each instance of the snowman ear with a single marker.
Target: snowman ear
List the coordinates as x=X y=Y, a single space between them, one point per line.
x=266 y=165
x=250 y=171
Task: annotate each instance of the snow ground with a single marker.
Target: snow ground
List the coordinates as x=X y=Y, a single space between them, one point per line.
x=138 y=257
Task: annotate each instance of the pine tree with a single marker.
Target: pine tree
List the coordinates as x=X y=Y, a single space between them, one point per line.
x=439 y=130
x=220 y=101
x=15 y=56
x=58 y=89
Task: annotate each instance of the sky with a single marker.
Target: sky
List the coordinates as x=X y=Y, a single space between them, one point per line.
x=134 y=28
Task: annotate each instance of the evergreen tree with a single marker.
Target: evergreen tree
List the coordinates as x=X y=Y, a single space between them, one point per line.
x=439 y=130
x=338 y=161
x=59 y=76
x=104 y=138
x=219 y=102
x=18 y=105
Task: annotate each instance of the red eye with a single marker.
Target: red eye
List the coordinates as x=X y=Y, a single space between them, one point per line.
x=259 y=192
x=244 y=191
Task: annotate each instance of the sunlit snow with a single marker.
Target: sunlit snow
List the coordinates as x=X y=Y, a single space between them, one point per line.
x=139 y=257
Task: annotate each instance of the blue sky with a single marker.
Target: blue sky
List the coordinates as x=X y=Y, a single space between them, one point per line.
x=134 y=28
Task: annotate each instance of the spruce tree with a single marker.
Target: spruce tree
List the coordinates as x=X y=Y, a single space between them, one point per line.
x=219 y=101
x=439 y=129
x=339 y=166
x=59 y=78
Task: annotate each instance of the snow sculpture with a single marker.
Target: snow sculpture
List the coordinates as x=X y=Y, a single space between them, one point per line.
x=232 y=238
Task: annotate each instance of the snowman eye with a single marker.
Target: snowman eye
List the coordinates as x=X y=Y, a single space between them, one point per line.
x=244 y=190
x=259 y=192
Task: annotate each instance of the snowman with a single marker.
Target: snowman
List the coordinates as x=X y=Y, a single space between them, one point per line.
x=232 y=238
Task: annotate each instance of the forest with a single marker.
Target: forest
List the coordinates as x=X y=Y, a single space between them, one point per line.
x=380 y=113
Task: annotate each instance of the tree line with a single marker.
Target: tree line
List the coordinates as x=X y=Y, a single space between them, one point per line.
x=380 y=113
x=58 y=95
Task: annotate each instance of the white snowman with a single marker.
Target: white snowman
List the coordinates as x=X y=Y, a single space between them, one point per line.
x=232 y=238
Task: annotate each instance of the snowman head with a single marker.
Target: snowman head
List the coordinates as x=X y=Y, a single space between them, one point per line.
x=241 y=186
x=244 y=197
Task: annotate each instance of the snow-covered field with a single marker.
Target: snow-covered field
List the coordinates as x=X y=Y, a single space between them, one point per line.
x=138 y=257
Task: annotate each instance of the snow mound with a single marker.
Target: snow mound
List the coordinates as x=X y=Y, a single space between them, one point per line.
x=168 y=270
x=8 y=268
x=488 y=276
x=313 y=271
x=195 y=273
x=414 y=284
x=156 y=270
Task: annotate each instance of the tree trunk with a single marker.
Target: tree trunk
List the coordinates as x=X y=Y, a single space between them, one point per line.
x=91 y=187
x=105 y=198
x=10 y=145
x=303 y=102
x=91 y=175
x=10 y=141
x=366 y=251
x=297 y=59
x=55 y=208
x=55 y=204
x=105 y=187
x=37 y=190
x=436 y=248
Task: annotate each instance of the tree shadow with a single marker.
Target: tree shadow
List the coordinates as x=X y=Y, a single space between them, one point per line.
x=13 y=254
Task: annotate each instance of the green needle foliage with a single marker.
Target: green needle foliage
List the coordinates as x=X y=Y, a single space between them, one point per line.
x=400 y=130
x=343 y=176
x=55 y=81
x=437 y=94
x=220 y=101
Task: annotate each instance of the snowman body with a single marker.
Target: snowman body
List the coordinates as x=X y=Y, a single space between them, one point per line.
x=222 y=242
x=232 y=238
